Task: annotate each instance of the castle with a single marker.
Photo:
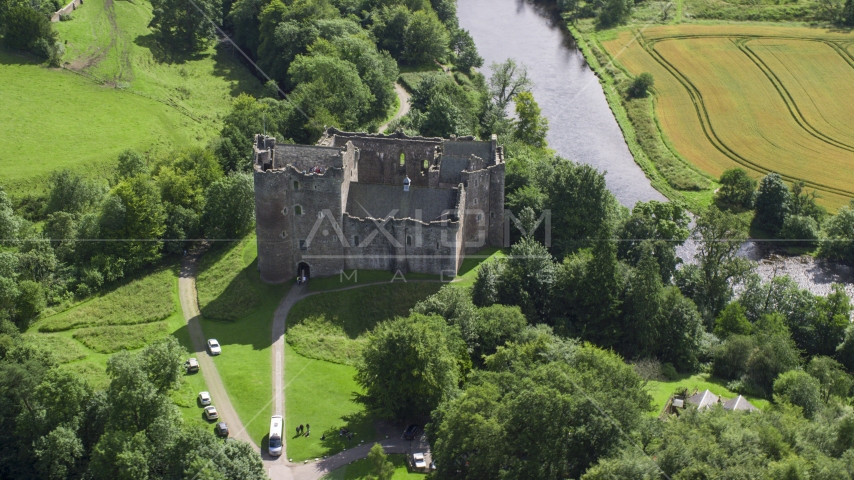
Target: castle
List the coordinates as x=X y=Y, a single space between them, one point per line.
x=375 y=202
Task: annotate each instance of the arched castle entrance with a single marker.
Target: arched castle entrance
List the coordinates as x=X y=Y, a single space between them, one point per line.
x=303 y=270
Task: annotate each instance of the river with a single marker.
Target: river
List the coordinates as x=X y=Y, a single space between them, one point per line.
x=581 y=125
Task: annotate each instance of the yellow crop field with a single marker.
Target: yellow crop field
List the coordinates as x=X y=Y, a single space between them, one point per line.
x=764 y=98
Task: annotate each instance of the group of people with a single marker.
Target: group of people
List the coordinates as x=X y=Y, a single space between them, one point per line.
x=315 y=169
x=301 y=279
x=343 y=432
x=303 y=430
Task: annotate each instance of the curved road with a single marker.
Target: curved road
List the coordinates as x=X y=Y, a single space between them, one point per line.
x=403 y=96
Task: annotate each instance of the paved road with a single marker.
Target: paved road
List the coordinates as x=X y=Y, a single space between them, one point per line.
x=403 y=96
x=190 y=307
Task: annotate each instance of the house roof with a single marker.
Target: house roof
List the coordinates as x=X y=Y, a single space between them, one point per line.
x=704 y=399
x=739 y=403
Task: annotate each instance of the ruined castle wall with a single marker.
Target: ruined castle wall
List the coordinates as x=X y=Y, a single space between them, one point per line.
x=477 y=210
x=496 y=205
x=272 y=226
x=320 y=204
x=305 y=157
x=379 y=161
x=418 y=248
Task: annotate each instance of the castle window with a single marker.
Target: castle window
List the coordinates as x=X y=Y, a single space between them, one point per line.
x=284 y=235
x=402 y=159
x=285 y=211
x=355 y=240
x=475 y=201
x=302 y=245
x=296 y=185
x=491 y=214
x=297 y=210
x=426 y=164
x=479 y=217
x=408 y=240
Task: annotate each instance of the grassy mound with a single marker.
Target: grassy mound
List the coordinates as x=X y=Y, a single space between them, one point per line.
x=125 y=337
x=227 y=288
x=328 y=326
x=145 y=299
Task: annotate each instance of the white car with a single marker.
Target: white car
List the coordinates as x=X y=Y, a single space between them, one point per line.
x=213 y=347
x=205 y=398
x=210 y=413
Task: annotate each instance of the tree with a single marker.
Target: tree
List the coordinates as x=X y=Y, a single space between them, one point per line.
x=732 y=321
x=831 y=376
x=28 y=29
x=389 y=27
x=798 y=388
x=58 y=452
x=838 y=244
x=508 y=80
x=581 y=206
x=527 y=278
x=485 y=288
x=381 y=468
x=425 y=39
x=848 y=13
x=531 y=127
x=9 y=222
x=718 y=236
x=464 y=47
x=409 y=365
x=550 y=419
x=737 y=188
x=134 y=215
x=680 y=332
x=29 y=304
x=774 y=354
x=230 y=208
x=130 y=164
x=613 y=12
x=845 y=350
x=183 y=26
x=346 y=98
x=804 y=204
x=661 y=225
x=773 y=203
x=641 y=84
x=803 y=230
x=642 y=308
x=443 y=118
x=70 y=192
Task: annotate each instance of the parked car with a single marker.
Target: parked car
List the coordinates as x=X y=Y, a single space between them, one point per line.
x=221 y=429
x=210 y=413
x=205 y=398
x=192 y=365
x=412 y=431
x=213 y=347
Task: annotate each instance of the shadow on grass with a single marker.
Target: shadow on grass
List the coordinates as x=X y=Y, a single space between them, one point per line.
x=231 y=66
x=361 y=427
x=165 y=55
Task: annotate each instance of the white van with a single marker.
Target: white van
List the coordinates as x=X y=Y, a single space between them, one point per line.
x=275 y=443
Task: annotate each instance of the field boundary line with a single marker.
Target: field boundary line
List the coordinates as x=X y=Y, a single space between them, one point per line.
x=705 y=118
x=787 y=97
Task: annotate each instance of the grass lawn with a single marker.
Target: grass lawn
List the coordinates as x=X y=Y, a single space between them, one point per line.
x=245 y=363
x=321 y=394
x=360 y=469
x=328 y=326
x=129 y=96
x=661 y=391
x=471 y=264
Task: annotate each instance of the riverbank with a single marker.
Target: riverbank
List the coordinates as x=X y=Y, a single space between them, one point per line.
x=666 y=170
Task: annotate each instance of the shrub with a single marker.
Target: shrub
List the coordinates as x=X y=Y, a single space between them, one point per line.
x=25 y=28
x=124 y=337
x=641 y=85
x=803 y=229
x=669 y=371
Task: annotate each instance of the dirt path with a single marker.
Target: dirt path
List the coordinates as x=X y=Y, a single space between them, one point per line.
x=403 y=96
x=190 y=307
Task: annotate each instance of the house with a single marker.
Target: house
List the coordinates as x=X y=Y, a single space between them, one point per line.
x=739 y=403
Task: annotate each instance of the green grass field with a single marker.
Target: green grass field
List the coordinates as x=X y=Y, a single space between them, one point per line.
x=351 y=278
x=760 y=97
x=328 y=326
x=85 y=350
x=661 y=391
x=118 y=91
x=471 y=264
x=245 y=364
x=360 y=470
x=322 y=394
